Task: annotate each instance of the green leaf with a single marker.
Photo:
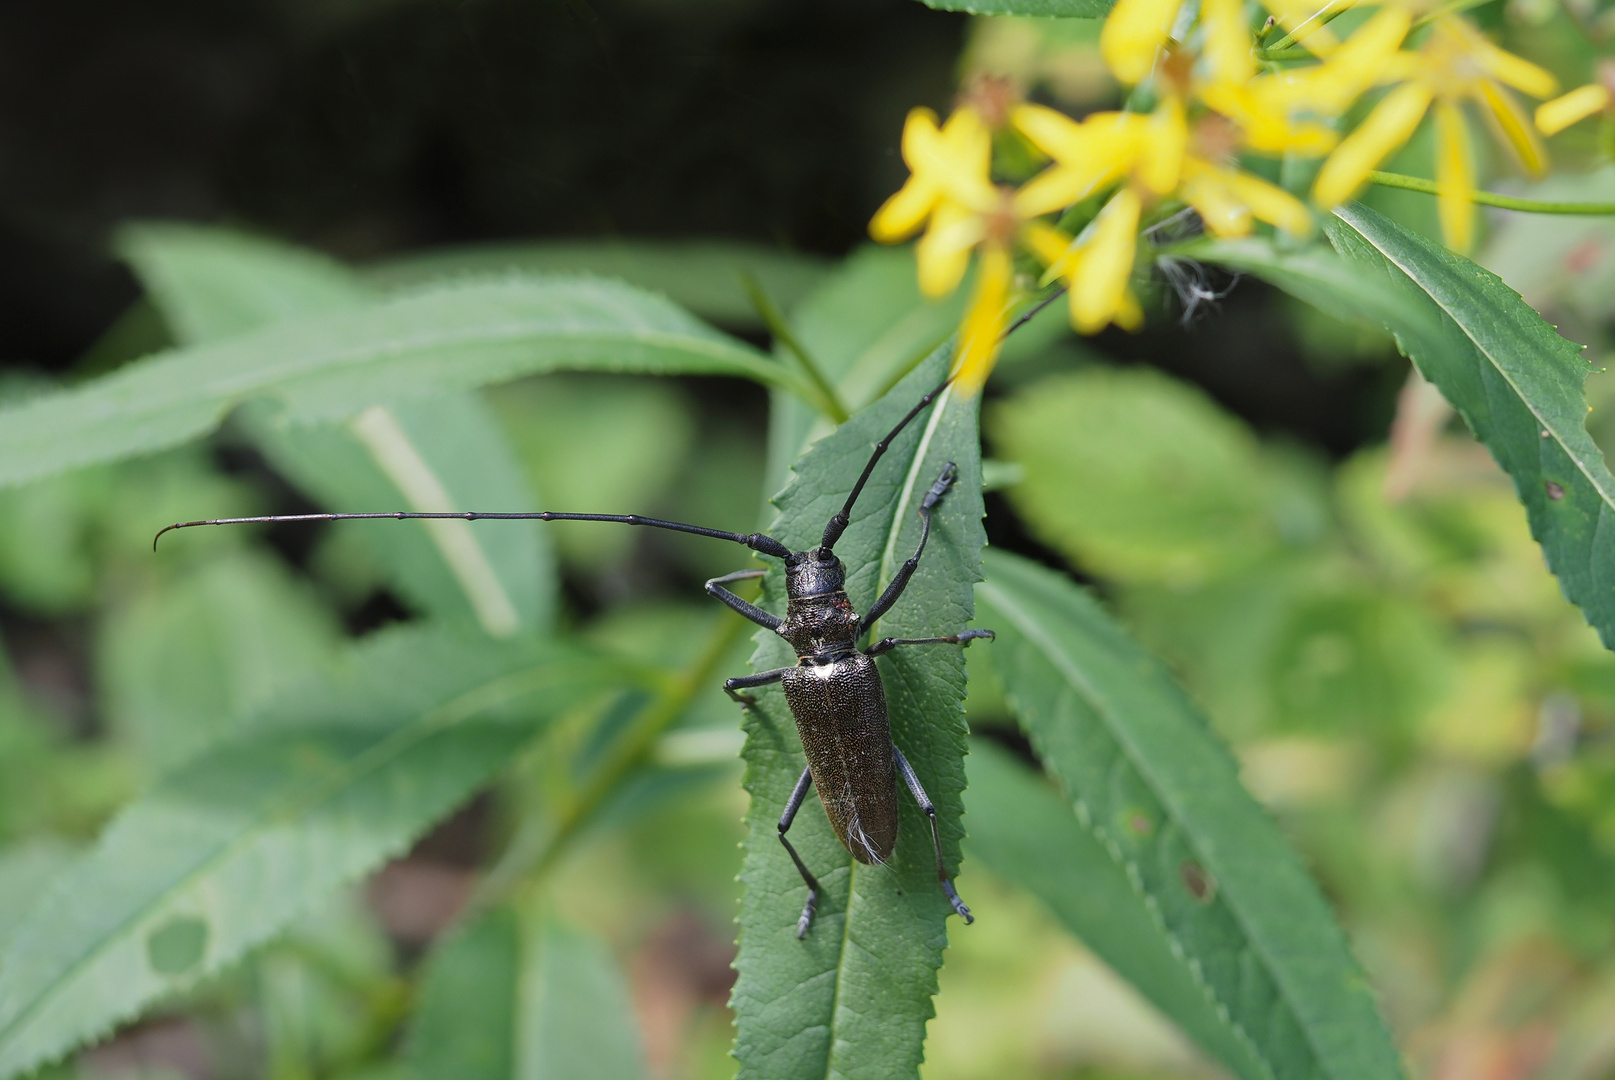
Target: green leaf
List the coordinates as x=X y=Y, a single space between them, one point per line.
x=597 y=444
x=1060 y=9
x=231 y=848
x=336 y=365
x=516 y=995
x=1162 y=795
x=442 y=454
x=1104 y=482
x=853 y=998
x=1519 y=387
x=210 y=284
x=706 y=277
x=1024 y=832
x=180 y=667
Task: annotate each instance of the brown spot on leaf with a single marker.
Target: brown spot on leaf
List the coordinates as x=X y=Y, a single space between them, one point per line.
x=1555 y=490
x=1200 y=884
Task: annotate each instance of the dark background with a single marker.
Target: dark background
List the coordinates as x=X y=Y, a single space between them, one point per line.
x=371 y=127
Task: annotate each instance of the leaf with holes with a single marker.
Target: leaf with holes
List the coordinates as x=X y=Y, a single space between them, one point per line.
x=232 y=847
x=1024 y=832
x=1162 y=795
x=853 y=998
x=1517 y=384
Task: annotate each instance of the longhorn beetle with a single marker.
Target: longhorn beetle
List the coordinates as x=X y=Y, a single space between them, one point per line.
x=833 y=690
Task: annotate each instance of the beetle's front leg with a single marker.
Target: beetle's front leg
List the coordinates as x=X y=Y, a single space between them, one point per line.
x=715 y=588
x=743 y=682
x=964 y=637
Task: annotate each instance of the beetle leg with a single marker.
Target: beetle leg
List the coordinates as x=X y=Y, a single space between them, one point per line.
x=906 y=571
x=791 y=807
x=742 y=682
x=756 y=614
x=924 y=800
x=964 y=637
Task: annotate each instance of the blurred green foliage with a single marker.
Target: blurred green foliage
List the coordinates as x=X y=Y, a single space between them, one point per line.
x=1375 y=636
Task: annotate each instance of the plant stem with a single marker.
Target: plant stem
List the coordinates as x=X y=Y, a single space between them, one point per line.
x=532 y=857
x=831 y=404
x=1486 y=198
x=1324 y=15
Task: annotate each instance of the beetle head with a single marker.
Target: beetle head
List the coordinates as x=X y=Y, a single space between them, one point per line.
x=814 y=573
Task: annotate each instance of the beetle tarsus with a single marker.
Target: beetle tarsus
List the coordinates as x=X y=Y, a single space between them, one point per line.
x=808 y=909
x=958 y=904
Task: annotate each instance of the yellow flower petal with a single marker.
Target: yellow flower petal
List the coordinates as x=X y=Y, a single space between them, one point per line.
x=1455 y=178
x=1352 y=69
x=1047 y=243
x=1575 y=106
x=959 y=161
x=1164 y=143
x=1129 y=315
x=901 y=216
x=1514 y=127
x=1054 y=133
x=1132 y=33
x=1107 y=263
x=1270 y=203
x=1216 y=204
x=943 y=253
x=981 y=334
x=1387 y=127
x=1507 y=68
x=1228 y=41
x=1087 y=156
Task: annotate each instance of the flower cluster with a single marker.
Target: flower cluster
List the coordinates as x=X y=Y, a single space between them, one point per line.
x=1207 y=99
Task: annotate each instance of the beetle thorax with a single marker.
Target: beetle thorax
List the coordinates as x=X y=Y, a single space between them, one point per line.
x=819 y=619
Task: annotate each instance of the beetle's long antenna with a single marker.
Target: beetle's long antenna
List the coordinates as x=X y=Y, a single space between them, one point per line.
x=838 y=524
x=759 y=542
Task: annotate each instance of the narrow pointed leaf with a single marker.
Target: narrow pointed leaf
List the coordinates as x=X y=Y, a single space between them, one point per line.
x=1162 y=795
x=450 y=337
x=516 y=996
x=1517 y=384
x=235 y=845
x=852 y=1000
x=706 y=277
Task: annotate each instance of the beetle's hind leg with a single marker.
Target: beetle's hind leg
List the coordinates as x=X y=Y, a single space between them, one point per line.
x=924 y=800
x=963 y=637
x=791 y=807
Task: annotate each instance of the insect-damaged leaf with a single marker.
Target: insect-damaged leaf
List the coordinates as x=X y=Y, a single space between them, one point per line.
x=233 y=846
x=1161 y=794
x=853 y=998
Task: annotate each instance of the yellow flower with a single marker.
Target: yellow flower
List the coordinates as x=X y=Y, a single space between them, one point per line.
x=951 y=195
x=1455 y=64
x=1158 y=155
